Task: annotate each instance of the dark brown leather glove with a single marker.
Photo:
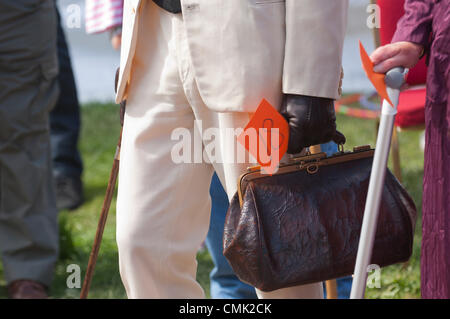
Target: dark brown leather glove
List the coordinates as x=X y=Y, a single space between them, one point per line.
x=123 y=104
x=311 y=120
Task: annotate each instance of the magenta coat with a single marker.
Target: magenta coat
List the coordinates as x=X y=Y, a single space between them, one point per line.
x=427 y=22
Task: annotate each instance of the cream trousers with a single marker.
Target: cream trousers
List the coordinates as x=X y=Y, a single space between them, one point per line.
x=163 y=207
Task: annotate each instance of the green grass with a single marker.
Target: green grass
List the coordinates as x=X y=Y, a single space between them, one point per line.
x=99 y=135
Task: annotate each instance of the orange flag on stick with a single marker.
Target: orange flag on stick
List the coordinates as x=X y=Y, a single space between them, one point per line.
x=377 y=79
x=266 y=137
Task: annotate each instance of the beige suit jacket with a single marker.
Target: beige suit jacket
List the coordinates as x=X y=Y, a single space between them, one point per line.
x=246 y=50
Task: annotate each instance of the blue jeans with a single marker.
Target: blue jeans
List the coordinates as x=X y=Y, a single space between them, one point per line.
x=224 y=283
x=344 y=287
x=330 y=148
x=65 y=117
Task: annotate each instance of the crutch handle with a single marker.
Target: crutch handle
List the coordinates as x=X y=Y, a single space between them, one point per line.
x=395 y=78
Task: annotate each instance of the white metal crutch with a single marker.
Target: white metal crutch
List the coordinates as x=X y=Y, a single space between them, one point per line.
x=394 y=80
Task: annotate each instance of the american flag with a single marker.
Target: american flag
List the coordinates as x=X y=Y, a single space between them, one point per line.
x=102 y=15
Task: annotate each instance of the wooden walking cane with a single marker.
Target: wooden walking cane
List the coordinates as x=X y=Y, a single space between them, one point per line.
x=106 y=203
x=102 y=222
x=330 y=285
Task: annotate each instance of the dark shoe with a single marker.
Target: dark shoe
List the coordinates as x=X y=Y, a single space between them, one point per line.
x=69 y=192
x=26 y=289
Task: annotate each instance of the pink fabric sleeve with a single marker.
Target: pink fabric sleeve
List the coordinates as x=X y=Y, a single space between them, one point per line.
x=415 y=25
x=102 y=15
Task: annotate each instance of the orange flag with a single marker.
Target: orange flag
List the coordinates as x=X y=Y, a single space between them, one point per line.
x=377 y=79
x=266 y=137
